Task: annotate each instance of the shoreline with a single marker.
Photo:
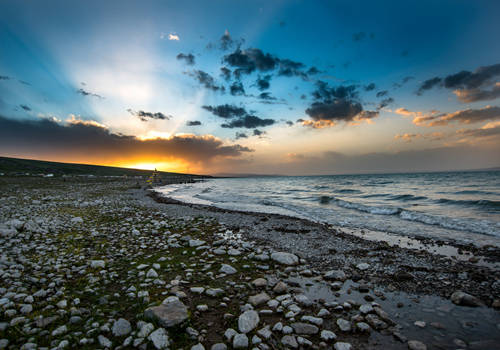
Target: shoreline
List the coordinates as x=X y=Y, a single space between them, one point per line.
x=484 y=255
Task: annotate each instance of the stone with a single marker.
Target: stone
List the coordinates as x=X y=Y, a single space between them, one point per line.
x=169 y=314
x=227 y=269
x=315 y=320
x=121 y=328
x=198 y=346
x=259 y=299
x=219 y=346
x=248 y=321
x=97 y=264
x=104 y=342
x=363 y=266
x=229 y=334
x=240 y=341
x=344 y=325
x=196 y=242
x=335 y=275
x=259 y=282
x=416 y=345
x=280 y=288
x=59 y=330
x=363 y=327
x=77 y=220
x=159 y=338
x=285 y=258
x=464 y=299
x=366 y=309
x=420 y=324
x=265 y=332
x=304 y=328
x=152 y=273
x=145 y=330
x=342 y=346
x=327 y=335
x=289 y=341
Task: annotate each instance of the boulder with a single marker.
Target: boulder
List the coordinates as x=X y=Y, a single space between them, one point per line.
x=169 y=314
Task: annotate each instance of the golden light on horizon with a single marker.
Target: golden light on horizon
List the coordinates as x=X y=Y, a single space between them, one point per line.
x=175 y=166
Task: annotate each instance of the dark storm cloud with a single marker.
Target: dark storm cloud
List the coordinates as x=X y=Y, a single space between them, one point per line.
x=189 y=58
x=385 y=102
x=397 y=85
x=226 y=111
x=226 y=42
x=428 y=84
x=237 y=89
x=83 y=92
x=289 y=68
x=45 y=138
x=26 y=108
x=474 y=95
x=225 y=73
x=266 y=96
x=193 y=123
x=249 y=122
x=472 y=80
x=313 y=71
x=335 y=104
x=250 y=60
x=382 y=93
x=145 y=116
x=324 y=91
x=338 y=110
x=469 y=86
x=206 y=80
x=370 y=87
x=263 y=82
x=241 y=135
x=258 y=132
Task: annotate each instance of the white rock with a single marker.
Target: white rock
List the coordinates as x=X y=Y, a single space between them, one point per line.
x=342 y=346
x=362 y=267
x=104 y=342
x=328 y=335
x=240 y=341
x=121 y=327
x=151 y=274
x=285 y=258
x=227 y=269
x=248 y=321
x=97 y=264
x=77 y=220
x=159 y=338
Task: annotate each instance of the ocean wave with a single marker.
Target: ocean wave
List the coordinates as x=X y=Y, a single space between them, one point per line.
x=484 y=203
x=470 y=225
x=473 y=192
x=407 y=197
x=348 y=190
x=378 y=210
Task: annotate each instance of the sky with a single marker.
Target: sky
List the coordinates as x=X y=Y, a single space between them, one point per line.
x=264 y=87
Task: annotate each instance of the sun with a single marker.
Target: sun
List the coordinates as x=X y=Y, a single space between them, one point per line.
x=145 y=166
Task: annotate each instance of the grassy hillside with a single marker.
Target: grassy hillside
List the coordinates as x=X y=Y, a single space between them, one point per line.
x=16 y=166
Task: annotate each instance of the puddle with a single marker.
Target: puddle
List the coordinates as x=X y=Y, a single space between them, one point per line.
x=414 y=244
x=472 y=325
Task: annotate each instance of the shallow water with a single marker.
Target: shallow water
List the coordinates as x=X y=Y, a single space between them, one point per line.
x=463 y=206
x=472 y=325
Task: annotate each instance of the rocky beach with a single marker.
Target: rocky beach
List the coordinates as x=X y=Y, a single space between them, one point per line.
x=106 y=263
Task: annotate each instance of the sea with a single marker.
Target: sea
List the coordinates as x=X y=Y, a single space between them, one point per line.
x=461 y=206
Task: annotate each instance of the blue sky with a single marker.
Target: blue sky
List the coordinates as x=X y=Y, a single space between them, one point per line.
x=115 y=66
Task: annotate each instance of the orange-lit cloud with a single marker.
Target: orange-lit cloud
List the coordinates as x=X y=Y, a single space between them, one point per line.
x=465 y=116
x=91 y=142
